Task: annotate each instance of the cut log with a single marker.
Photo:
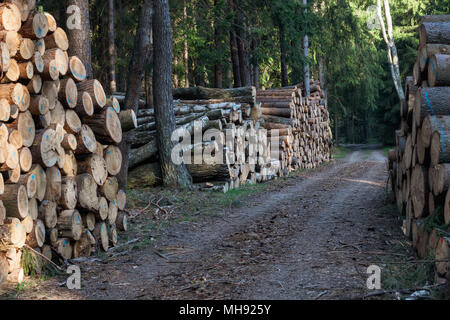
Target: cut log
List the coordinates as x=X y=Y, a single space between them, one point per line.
x=35 y=85
x=70 y=224
x=36 y=27
x=47 y=213
x=95 y=165
x=128 y=120
x=68 y=199
x=10 y=17
x=39 y=105
x=95 y=89
x=36 y=238
x=12 y=233
x=82 y=247
x=43 y=150
x=72 y=123
x=442 y=252
x=431 y=101
x=110 y=188
x=106 y=126
x=87 y=192
x=70 y=167
x=113 y=159
x=12 y=92
x=434 y=32
x=419 y=191
x=89 y=221
x=15 y=200
x=440 y=147
x=77 y=69
x=64 y=248
x=122 y=221
x=101 y=235
x=41 y=180
x=86 y=141
x=428 y=50
x=58 y=39
x=112 y=212
x=68 y=93
x=439 y=70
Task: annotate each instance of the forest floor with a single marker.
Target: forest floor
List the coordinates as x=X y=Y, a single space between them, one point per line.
x=311 y=235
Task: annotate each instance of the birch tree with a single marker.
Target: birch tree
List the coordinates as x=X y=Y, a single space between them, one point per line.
x=391 y=48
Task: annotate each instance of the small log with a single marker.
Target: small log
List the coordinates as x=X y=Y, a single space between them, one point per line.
x=15 y=200
x=70 y=225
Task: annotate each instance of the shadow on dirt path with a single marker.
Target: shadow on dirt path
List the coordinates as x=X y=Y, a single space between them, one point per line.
x=313 y=238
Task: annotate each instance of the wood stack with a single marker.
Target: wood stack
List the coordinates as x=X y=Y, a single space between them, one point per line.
x=58 y=153
x=419 y=167
x=246 y=120
x=303 y=124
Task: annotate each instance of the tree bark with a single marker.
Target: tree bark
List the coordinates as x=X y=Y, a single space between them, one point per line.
x=79 y=39
x=173 y=175
x=284 y=70
x=141 y=56
x=111 y=48
x=241 y=38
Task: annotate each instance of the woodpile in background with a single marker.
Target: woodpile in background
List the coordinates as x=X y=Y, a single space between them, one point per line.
x=241 y=114
x=58 y=154
x=419 y=167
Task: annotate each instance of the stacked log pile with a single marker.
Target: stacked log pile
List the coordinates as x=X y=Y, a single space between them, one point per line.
x=303 y=124
x=419 y=167
x=58 y=153
x=244 y=115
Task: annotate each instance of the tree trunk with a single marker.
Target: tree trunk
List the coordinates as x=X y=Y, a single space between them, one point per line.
x=186 y=50
x=79 y=39
x=241 y=38
x=306 y=75
x=141 y=56
x=173 y=175
x=284 y=70
x=111 y=48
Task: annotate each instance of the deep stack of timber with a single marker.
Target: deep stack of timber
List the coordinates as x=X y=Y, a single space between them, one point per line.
x=246 y=120
x=230 y=113
x=419 y=167
x=303 y=125
x=58 y=153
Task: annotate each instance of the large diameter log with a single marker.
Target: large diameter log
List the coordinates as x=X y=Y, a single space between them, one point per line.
x=83 y=247
x=122 y=221
x=202 y=93
x=43 y=148
x=64 y=248
x=25 y=125
x=429 y=50
x=110 y=188
x=106 y=126
x=95 y=165
x=70 y=224
x=439 y=70
x=77 y=69
x=431 y=101
x=36 y=238
x=68 y=199
x=87 y=192
x=13 y=92
x=434 y=32
x=85 y=106
x=58 y=39
x=12 y=233
x=431 y=124
x=68 y=93
x=10 y=17
x=15 y=200
x=440 y=147
x=41 y=180
x=204 y=172
x=47 y=213
x=128 y=120
x=86 y=141
x=113 y=159
x=441 y=178
x=36 y=27
x=95 y=89
x=143 y=153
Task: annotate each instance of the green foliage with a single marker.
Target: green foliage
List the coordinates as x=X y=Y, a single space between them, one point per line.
x=351 y=56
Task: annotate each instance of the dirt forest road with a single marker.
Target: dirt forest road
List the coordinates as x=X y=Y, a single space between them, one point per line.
x=313 y=238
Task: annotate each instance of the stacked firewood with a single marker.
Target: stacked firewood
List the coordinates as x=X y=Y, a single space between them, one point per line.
x=419 y=167
x=303 y=125
x=58 y=154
